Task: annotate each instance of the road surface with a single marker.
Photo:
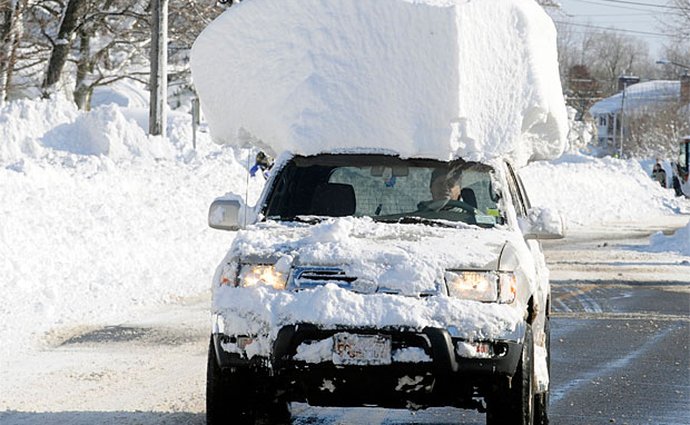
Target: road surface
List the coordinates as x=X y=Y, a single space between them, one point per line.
x=620 y=353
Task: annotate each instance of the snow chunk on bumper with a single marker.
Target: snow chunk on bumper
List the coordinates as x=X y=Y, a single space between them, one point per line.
x=423 y=78
x=263 y=311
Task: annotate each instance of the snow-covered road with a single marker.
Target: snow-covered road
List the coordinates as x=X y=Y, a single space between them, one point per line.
x=621 y=323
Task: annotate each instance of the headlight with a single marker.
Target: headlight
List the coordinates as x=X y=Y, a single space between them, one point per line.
x=261 y=274
x=482 y=286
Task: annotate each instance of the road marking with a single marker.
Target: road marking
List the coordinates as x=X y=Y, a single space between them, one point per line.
x=620 y=316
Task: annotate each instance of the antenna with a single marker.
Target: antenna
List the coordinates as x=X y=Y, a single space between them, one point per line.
x=246 y=188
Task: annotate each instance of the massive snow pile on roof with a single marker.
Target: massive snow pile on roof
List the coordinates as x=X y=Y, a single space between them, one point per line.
x=426 y=78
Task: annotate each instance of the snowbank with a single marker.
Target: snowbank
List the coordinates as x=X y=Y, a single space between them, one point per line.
x=678 y=242
x=98 y=219
x=23 y=122
x=589 y=190
x=427 y=78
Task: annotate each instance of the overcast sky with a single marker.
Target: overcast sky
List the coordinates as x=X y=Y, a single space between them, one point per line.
x=638 y=18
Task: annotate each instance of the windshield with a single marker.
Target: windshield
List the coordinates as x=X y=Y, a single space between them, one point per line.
x=384 y=188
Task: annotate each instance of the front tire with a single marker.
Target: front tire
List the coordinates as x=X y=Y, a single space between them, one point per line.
x=225 y=402
x=541 y=401
x=239 y=397
x=514 y=404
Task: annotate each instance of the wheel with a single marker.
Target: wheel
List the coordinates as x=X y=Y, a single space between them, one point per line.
x=541 y=401
x=513 y=404
x=238 y=396
x=226 y=403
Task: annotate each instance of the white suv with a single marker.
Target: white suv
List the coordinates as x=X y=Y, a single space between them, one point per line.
x=370 y=279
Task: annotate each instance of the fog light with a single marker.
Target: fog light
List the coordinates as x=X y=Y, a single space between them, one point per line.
x=500 y=350
x=474 y=350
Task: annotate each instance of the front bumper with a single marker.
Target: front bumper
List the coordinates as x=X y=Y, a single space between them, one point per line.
x=447 y=379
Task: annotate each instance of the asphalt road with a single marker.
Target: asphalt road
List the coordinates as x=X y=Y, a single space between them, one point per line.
x=620 y=354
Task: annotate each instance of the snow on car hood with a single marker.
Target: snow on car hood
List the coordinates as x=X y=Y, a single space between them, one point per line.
x=406 y=258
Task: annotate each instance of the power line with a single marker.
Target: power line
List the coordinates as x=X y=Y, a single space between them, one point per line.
x=653 y=34
x=662 y=6
x=601 y=15
x=599 y=3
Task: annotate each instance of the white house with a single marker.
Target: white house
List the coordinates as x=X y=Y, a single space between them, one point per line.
x=609 y=113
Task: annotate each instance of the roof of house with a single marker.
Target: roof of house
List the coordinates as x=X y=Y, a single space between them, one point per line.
x=638 y=96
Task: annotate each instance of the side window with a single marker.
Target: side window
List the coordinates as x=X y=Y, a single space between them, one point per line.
x=523 y=193
x=515 y=192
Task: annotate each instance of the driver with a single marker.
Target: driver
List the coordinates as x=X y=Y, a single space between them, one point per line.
x=445 y=184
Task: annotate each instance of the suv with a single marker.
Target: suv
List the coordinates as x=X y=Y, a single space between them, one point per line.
x=374 y=280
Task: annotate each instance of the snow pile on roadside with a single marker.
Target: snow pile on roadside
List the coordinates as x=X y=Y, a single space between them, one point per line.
x=106 y=131
x=426 y=78
x=98 y=218
x=23 y=121
x=678 y=242
x=589 y=190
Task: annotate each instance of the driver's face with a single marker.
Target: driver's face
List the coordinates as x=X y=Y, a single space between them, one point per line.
x=441 y=188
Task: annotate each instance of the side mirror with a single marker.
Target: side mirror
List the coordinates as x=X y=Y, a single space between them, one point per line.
x=229 y=213
x=542 y=224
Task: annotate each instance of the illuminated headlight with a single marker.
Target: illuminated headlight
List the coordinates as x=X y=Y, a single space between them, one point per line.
x=482 y=286
x=261 y=275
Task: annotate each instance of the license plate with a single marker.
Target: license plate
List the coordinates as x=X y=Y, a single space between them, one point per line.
x=353 y=349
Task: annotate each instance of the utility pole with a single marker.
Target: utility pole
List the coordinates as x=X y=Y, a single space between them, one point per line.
x=625 y=81
x=158 y=80
x=620 y=151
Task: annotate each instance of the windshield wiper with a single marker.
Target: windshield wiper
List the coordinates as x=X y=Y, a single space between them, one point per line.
x=413 y=219
x=309 y=219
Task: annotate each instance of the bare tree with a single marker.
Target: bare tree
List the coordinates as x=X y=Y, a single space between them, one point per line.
x=678 y=23
x=63 y=43
x=583 y=89
x=655 y=131
x=113 y=45
x=612 y=55
x=11 y=15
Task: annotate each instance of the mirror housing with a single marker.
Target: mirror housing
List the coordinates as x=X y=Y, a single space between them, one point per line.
x=542 y=224
x=229 y=213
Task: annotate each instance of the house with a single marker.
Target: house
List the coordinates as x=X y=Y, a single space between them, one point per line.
x=611 y=112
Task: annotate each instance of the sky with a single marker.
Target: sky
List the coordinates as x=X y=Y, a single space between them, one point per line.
x=639 y=18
